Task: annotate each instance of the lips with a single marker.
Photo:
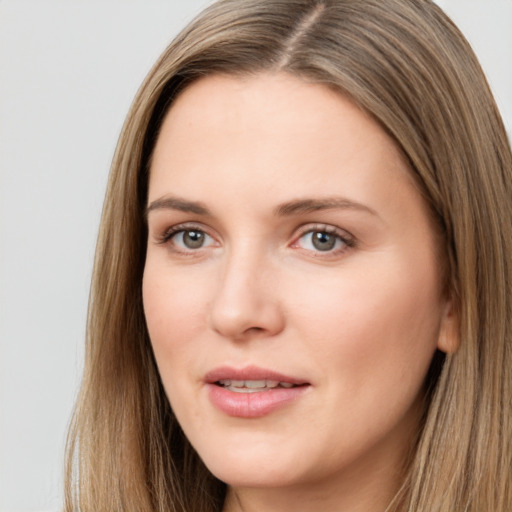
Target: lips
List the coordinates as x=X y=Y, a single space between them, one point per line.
x=252 y=392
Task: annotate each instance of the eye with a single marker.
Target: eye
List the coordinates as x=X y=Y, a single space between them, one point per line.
x=192 y=239
x=184 y=239
x=325 y=239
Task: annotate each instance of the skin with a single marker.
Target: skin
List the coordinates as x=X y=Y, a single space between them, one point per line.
x=359 y=323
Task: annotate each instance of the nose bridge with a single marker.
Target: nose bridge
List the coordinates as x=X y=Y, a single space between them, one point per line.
x=246 y=302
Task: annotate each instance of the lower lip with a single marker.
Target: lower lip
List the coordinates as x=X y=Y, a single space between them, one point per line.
x=252 y=405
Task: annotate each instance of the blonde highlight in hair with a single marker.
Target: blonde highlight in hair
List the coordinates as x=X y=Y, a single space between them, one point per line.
x=406 y=64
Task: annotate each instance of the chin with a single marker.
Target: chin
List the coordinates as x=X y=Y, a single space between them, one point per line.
x=254 y=477
x=253 y=468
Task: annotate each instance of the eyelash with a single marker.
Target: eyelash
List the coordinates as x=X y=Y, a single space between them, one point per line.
x=169 y=234
x=348 y=241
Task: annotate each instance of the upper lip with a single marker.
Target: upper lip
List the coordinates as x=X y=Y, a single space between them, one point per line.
x=250 y=373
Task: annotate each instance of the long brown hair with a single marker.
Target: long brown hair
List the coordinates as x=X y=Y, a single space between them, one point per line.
x=405 y=63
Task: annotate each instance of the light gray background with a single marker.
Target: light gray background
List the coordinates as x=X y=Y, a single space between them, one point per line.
x=68 y=72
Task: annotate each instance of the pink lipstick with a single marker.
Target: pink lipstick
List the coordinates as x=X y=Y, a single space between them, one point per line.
x=252 y=392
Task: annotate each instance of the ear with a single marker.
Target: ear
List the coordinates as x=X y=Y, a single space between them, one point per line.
x=449 y=333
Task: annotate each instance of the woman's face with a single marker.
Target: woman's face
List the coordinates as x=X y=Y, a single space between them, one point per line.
x=291 y=287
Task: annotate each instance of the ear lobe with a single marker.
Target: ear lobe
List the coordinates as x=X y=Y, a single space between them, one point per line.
x=449 y=337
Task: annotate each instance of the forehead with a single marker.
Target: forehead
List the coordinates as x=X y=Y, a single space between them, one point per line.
x=266 y=126
x=277 y=103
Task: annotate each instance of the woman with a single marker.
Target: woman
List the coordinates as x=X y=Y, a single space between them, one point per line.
x=300 y=298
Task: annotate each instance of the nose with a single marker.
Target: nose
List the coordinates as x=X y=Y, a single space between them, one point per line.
x=246 y=303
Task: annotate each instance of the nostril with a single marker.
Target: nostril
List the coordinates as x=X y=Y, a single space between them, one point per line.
x=250 y=332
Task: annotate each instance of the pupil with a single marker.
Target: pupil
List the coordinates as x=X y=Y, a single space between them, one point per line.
x=193 y=239
x=323 y=241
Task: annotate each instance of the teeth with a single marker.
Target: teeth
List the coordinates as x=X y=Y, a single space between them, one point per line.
x=252 y=386
x=246 y=390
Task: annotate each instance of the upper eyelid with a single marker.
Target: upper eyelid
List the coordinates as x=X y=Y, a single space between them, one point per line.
x=328 y=228
x=319 y=227
x=166 y=234
x=188 y=226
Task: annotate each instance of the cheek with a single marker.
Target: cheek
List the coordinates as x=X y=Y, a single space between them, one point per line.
x=377 y=326
x=174 y=308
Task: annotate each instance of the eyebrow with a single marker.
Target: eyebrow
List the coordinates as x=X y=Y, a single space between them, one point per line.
x=303 y=206
x=295 y=207
x=177 y=203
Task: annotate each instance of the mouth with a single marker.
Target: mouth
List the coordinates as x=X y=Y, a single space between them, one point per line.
x=253 y=386
x=251 y=379
x=252 y=392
